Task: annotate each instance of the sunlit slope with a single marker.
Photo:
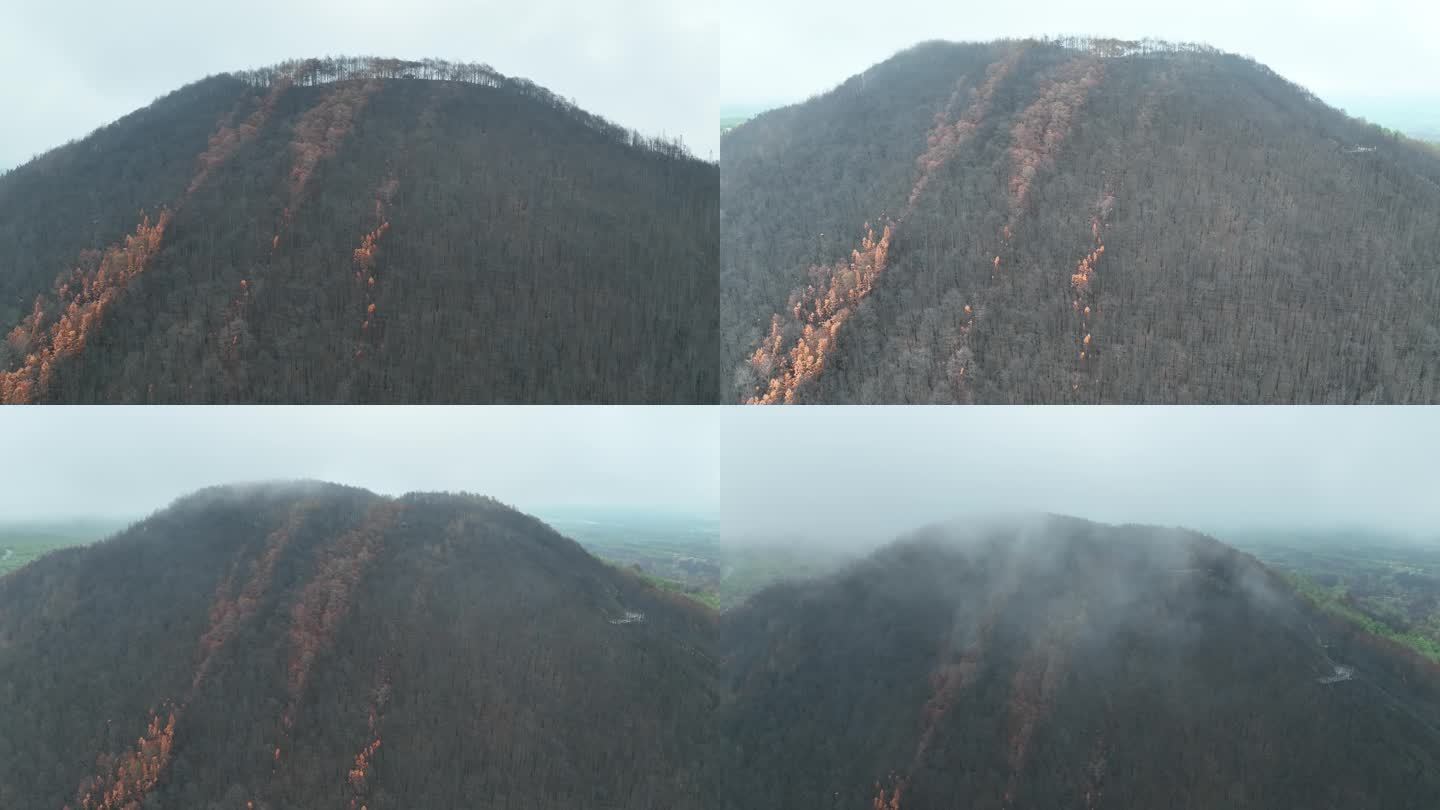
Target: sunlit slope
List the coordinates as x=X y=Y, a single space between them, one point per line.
x=1053 y=662
x=360 y=230
x=318 y=645
x=1090 y=221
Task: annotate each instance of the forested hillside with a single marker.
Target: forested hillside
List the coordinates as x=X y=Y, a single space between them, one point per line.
x=1051 y=662
x=1076 y=221
x=309 y=645
x=320 y=646
x=360 y=230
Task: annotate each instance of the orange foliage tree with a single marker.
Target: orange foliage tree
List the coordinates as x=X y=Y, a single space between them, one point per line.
x=124 y=782
x=79 y=304
x=230 y=608
x=821 y=309
x=325 y=600
x=946 y=136
x=1041 y=129
x=366 y=274
x=228 y=138
x=1083 y=301
x=882 y=801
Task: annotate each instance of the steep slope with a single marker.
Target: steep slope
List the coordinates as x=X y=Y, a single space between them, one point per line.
x=319 y=646
x=360 y=230
x=1076 y=221
x=1052 y=662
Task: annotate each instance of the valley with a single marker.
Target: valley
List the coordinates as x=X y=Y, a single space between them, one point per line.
x=1390 y=586
x=686 y=554
x=680 y=553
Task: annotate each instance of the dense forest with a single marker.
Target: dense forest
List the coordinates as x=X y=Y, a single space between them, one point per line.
x=320 y=646
x=309 y=645
x=1389 y=584
x=1058 y=663
x=360 y=230
x=1076 y=221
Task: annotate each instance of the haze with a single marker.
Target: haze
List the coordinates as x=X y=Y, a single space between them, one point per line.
x=1373 y=59
x=645 y=64
x=859 y=476
x=125 y=462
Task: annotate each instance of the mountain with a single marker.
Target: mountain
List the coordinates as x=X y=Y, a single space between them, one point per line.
x=311 y=645
x=1076 y=221
x=1051 y=662
x=360 y=230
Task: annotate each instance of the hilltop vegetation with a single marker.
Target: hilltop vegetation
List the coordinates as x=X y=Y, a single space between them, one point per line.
x=360 y=230
x=1081 y=221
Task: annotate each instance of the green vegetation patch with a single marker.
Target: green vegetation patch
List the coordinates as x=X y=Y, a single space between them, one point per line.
x=749 y=570
x=703 y=594
x=23 y=543
x=1337 y=601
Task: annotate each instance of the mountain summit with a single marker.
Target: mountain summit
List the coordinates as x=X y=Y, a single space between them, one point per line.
x=1076 y=221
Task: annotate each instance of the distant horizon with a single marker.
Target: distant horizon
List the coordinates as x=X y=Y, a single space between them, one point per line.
x=535 y=509
x=1235 y=534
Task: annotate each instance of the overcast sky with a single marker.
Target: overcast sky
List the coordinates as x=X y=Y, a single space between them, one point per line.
x=1345 y=51
x=75 y=65
x=866 y=474
x=116 y=461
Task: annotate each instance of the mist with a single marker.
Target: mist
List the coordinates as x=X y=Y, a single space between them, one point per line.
x=856 y=477
x=121 y=462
